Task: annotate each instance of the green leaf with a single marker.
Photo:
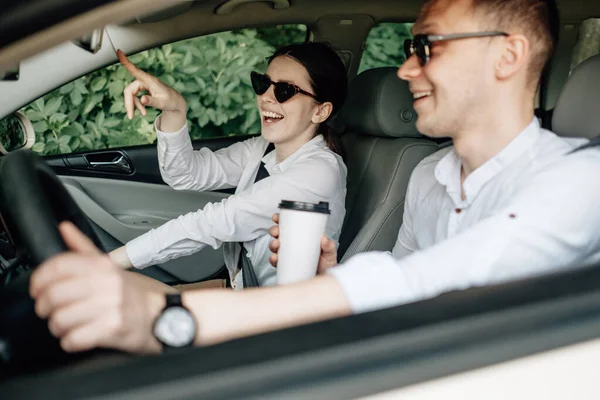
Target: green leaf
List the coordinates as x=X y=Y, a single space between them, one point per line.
x=38 y=105
x=91 y=102
x=115 y=89
x=87 y=140
x=38 y=148
x=230 y=86
x=78 y=127
x=112 y=122
x=50 y=147
x=251 y=118
x=138 y=58
x=121 y=74
x=203 y=120
x=192 y=69
x=98 y=84
x=221 y=44
x=75 y=143
x=64 y=139
x=117 y=107
x=80 y=86
x=40 y=127
x=57 y=118
x=34 y=115
x=76 y=97
x=187 y=60
x=64 y=148
x=52 y=106
x=73 y=114
x=69 y=131
x=201 y=82
x=67 y=88
x=100 y=119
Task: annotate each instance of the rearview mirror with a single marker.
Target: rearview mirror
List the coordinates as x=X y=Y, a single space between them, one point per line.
x=16 y=132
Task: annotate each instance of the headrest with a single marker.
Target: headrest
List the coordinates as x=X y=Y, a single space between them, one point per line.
x=577 y=112
x=379 y=104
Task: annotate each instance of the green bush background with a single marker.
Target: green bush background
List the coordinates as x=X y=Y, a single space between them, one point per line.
x=212 y=73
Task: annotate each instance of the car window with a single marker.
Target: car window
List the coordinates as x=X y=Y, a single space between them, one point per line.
x=588 y=43
x=384 y=46
x=212 y=73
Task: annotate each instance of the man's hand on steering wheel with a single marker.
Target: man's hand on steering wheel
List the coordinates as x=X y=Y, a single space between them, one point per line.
x=89 y=302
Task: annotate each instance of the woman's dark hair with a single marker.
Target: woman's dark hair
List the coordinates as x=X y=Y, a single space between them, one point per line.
x=328 y=79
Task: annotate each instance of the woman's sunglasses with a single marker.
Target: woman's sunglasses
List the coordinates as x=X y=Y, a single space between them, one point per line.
x=420 y=45
x=283 y=90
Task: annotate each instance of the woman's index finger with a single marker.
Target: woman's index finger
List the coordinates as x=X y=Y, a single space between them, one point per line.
x=133 y=70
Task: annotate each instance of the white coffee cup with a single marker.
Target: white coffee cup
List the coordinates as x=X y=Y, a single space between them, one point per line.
x=301 y=226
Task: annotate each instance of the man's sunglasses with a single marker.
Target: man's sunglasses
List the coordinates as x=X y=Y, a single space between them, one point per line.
x=420 y=45
x=283 y=90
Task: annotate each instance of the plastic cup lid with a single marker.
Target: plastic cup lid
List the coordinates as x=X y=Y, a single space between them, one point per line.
x=322 y=207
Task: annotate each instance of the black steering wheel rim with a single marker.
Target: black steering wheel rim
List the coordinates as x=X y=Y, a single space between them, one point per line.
x=34 y=202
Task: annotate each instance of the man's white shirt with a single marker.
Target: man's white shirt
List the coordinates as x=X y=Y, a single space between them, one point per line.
x=312 y=174
x=530 y=210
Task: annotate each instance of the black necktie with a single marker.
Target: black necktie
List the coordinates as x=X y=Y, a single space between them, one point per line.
x=244 y=262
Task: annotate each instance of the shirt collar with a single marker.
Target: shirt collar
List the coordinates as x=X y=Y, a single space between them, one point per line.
x=318 y=142
x=447 y=172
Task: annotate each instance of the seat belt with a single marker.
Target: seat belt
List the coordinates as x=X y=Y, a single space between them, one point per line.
x=244 y=263
x=594 y=142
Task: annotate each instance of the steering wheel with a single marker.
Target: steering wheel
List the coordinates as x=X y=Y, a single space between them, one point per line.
x=33 y=203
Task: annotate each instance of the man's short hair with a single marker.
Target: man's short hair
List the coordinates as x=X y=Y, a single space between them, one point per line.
x=536 y=19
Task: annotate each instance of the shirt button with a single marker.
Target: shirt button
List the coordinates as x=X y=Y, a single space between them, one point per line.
x=458 y=210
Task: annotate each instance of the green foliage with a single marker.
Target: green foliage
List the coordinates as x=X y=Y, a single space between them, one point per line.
x=385 y=46
x=212 y=73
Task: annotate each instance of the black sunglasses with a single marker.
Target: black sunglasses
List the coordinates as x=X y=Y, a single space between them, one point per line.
x=283 y=90
x=420 y=45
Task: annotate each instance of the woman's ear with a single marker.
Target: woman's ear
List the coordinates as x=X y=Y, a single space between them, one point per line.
x=322 y=112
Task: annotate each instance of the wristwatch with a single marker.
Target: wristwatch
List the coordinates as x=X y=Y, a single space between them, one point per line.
x=175 y=327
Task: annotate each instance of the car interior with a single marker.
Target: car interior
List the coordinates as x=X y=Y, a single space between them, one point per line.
x=121 y=194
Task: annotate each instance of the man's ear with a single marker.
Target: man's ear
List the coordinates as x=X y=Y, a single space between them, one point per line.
x=322 y=113
x=515 y=56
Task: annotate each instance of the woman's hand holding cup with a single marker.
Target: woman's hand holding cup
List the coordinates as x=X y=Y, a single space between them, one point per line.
x=327 y=259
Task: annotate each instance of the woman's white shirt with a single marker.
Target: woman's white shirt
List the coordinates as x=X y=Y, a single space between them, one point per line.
x=312 y=174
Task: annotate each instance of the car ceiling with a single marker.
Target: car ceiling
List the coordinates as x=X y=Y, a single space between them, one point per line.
x=17 y=16
x=170 y=20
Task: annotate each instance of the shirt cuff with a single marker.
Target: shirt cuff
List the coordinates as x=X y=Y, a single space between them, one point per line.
x=138 y=251
x=173 y=141
x=371 y=282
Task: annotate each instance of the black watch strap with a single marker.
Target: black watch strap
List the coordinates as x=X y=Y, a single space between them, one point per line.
x=174 y=300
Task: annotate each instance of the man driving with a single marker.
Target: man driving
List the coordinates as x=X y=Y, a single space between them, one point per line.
x=506 y=201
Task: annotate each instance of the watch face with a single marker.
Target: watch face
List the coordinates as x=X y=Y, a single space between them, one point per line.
x=175 y=327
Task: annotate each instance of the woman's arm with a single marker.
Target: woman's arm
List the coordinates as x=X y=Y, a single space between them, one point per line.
x=239 y=218
x=184 y=168
x=181 y=166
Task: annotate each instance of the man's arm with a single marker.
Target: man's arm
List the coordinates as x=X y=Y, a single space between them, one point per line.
x=90 y=302
x=254 y=311
x=550 y=225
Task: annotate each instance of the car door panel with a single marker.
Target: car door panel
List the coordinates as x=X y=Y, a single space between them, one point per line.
x=125 y=210
x=126 y=201
x=142 y=160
